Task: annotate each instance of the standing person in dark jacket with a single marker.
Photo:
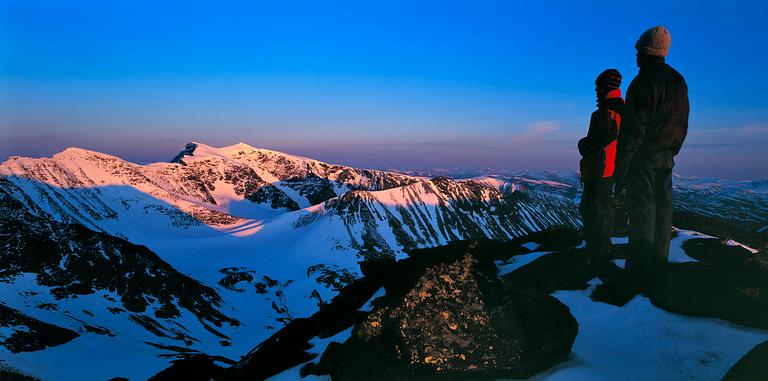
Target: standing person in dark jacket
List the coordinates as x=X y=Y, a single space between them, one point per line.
x=598 y=151
x=655 y=126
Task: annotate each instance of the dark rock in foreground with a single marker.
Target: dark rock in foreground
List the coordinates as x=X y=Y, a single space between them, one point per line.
x=458 y=320
x=730 y=283
x=752 y=367
x=557 y=271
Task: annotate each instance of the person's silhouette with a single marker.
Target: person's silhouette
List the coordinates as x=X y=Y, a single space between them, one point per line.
x=655 y=126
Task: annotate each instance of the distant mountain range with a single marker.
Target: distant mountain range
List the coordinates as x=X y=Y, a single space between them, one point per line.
x=216 y=249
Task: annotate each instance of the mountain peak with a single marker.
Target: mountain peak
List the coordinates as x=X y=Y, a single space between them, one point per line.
x=240 y=146
x=204 y=150
x=197 y=151
x=68 y=154
x=79 y=152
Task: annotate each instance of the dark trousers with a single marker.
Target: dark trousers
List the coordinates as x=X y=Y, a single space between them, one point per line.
x=597 y=213
x=649 y=203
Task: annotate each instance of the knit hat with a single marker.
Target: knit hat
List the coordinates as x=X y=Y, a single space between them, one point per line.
x=608 y=80
x=654 y=42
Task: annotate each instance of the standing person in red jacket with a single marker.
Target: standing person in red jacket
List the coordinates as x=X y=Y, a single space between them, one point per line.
x=598 y=150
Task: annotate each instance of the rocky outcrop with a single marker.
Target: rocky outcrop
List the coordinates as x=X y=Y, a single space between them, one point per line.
x=272 y=196
x=729 y=283
x=752 y=367
x=458 y=319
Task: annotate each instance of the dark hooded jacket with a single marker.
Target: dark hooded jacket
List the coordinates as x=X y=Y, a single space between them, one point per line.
x=598 y=148
x=656 y=116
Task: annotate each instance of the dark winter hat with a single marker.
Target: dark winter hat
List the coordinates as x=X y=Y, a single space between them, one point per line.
x=654 y=42
x=608 y=80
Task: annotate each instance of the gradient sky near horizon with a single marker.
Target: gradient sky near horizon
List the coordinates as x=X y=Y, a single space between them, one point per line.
x=395 y=84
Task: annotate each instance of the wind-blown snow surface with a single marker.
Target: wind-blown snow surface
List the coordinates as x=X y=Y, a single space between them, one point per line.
x=272 y=234
x=641 y=342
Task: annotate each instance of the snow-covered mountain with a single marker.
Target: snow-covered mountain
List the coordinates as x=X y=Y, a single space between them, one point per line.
x=224 y=187
x=215 y=250
x=440 y=210
x=214 y=186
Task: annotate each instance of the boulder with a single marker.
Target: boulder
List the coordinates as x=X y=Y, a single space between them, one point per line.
x=730 y=283
x=752 y=367
x=726 y=282
x=456 y=320
x=701 y=289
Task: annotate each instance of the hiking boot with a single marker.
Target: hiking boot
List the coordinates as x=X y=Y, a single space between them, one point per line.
x=618 y=288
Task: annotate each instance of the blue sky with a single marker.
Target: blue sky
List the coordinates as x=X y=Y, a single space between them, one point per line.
x=379 y=84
